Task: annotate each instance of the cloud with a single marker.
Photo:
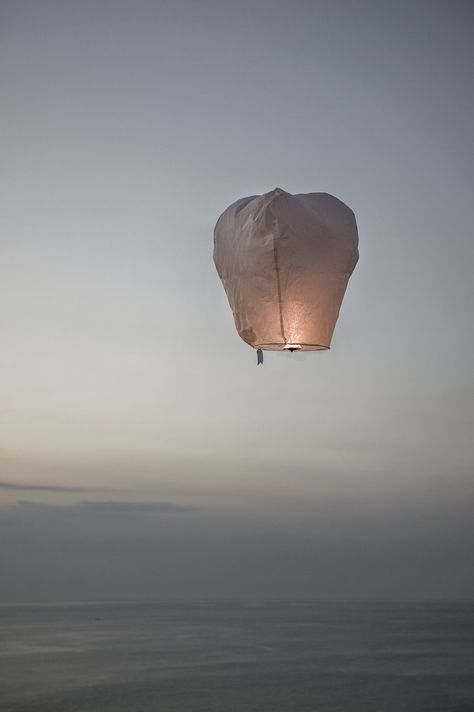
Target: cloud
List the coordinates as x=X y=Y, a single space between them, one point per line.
x=131 y=507
x=104 y=507
x=15 y=486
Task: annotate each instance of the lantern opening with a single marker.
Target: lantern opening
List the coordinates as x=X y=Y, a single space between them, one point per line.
x=291 y=347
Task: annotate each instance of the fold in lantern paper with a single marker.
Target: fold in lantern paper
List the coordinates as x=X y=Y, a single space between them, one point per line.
x=285 y=261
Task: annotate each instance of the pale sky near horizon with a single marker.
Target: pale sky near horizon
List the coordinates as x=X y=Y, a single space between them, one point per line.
x=127 y=128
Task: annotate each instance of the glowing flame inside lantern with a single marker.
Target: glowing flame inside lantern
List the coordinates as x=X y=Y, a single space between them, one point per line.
x=292 y=347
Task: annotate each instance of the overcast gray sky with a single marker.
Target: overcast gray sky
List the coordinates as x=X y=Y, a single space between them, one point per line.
x=143 y=453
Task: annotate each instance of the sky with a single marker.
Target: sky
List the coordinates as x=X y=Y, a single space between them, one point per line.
x=144 y=455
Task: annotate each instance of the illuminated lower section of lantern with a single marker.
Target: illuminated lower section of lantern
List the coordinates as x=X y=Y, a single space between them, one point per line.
x=279 y=346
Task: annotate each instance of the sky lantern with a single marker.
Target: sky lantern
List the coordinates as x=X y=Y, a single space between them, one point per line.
x=285 y=261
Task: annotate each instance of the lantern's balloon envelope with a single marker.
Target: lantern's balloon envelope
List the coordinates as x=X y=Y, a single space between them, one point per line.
x=285 y=261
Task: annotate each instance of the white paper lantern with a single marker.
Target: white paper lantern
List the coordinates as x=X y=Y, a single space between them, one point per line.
x=285 y=261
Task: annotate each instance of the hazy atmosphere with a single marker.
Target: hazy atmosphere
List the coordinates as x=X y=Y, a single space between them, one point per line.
x=144 y=455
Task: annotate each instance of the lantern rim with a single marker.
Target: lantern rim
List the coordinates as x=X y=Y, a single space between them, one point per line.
x=284 y=346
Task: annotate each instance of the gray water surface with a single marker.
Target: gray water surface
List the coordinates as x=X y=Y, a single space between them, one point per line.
x=273 y=657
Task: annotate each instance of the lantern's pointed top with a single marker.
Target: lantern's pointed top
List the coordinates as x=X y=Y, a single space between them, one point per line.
x=277 y=193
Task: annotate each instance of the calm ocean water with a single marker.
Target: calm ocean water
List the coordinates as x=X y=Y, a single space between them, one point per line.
x=276 y=657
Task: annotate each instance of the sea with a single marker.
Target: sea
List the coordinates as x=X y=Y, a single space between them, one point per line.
x=294 y=656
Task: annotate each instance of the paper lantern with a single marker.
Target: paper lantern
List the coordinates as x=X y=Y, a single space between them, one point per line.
x=285 y=261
